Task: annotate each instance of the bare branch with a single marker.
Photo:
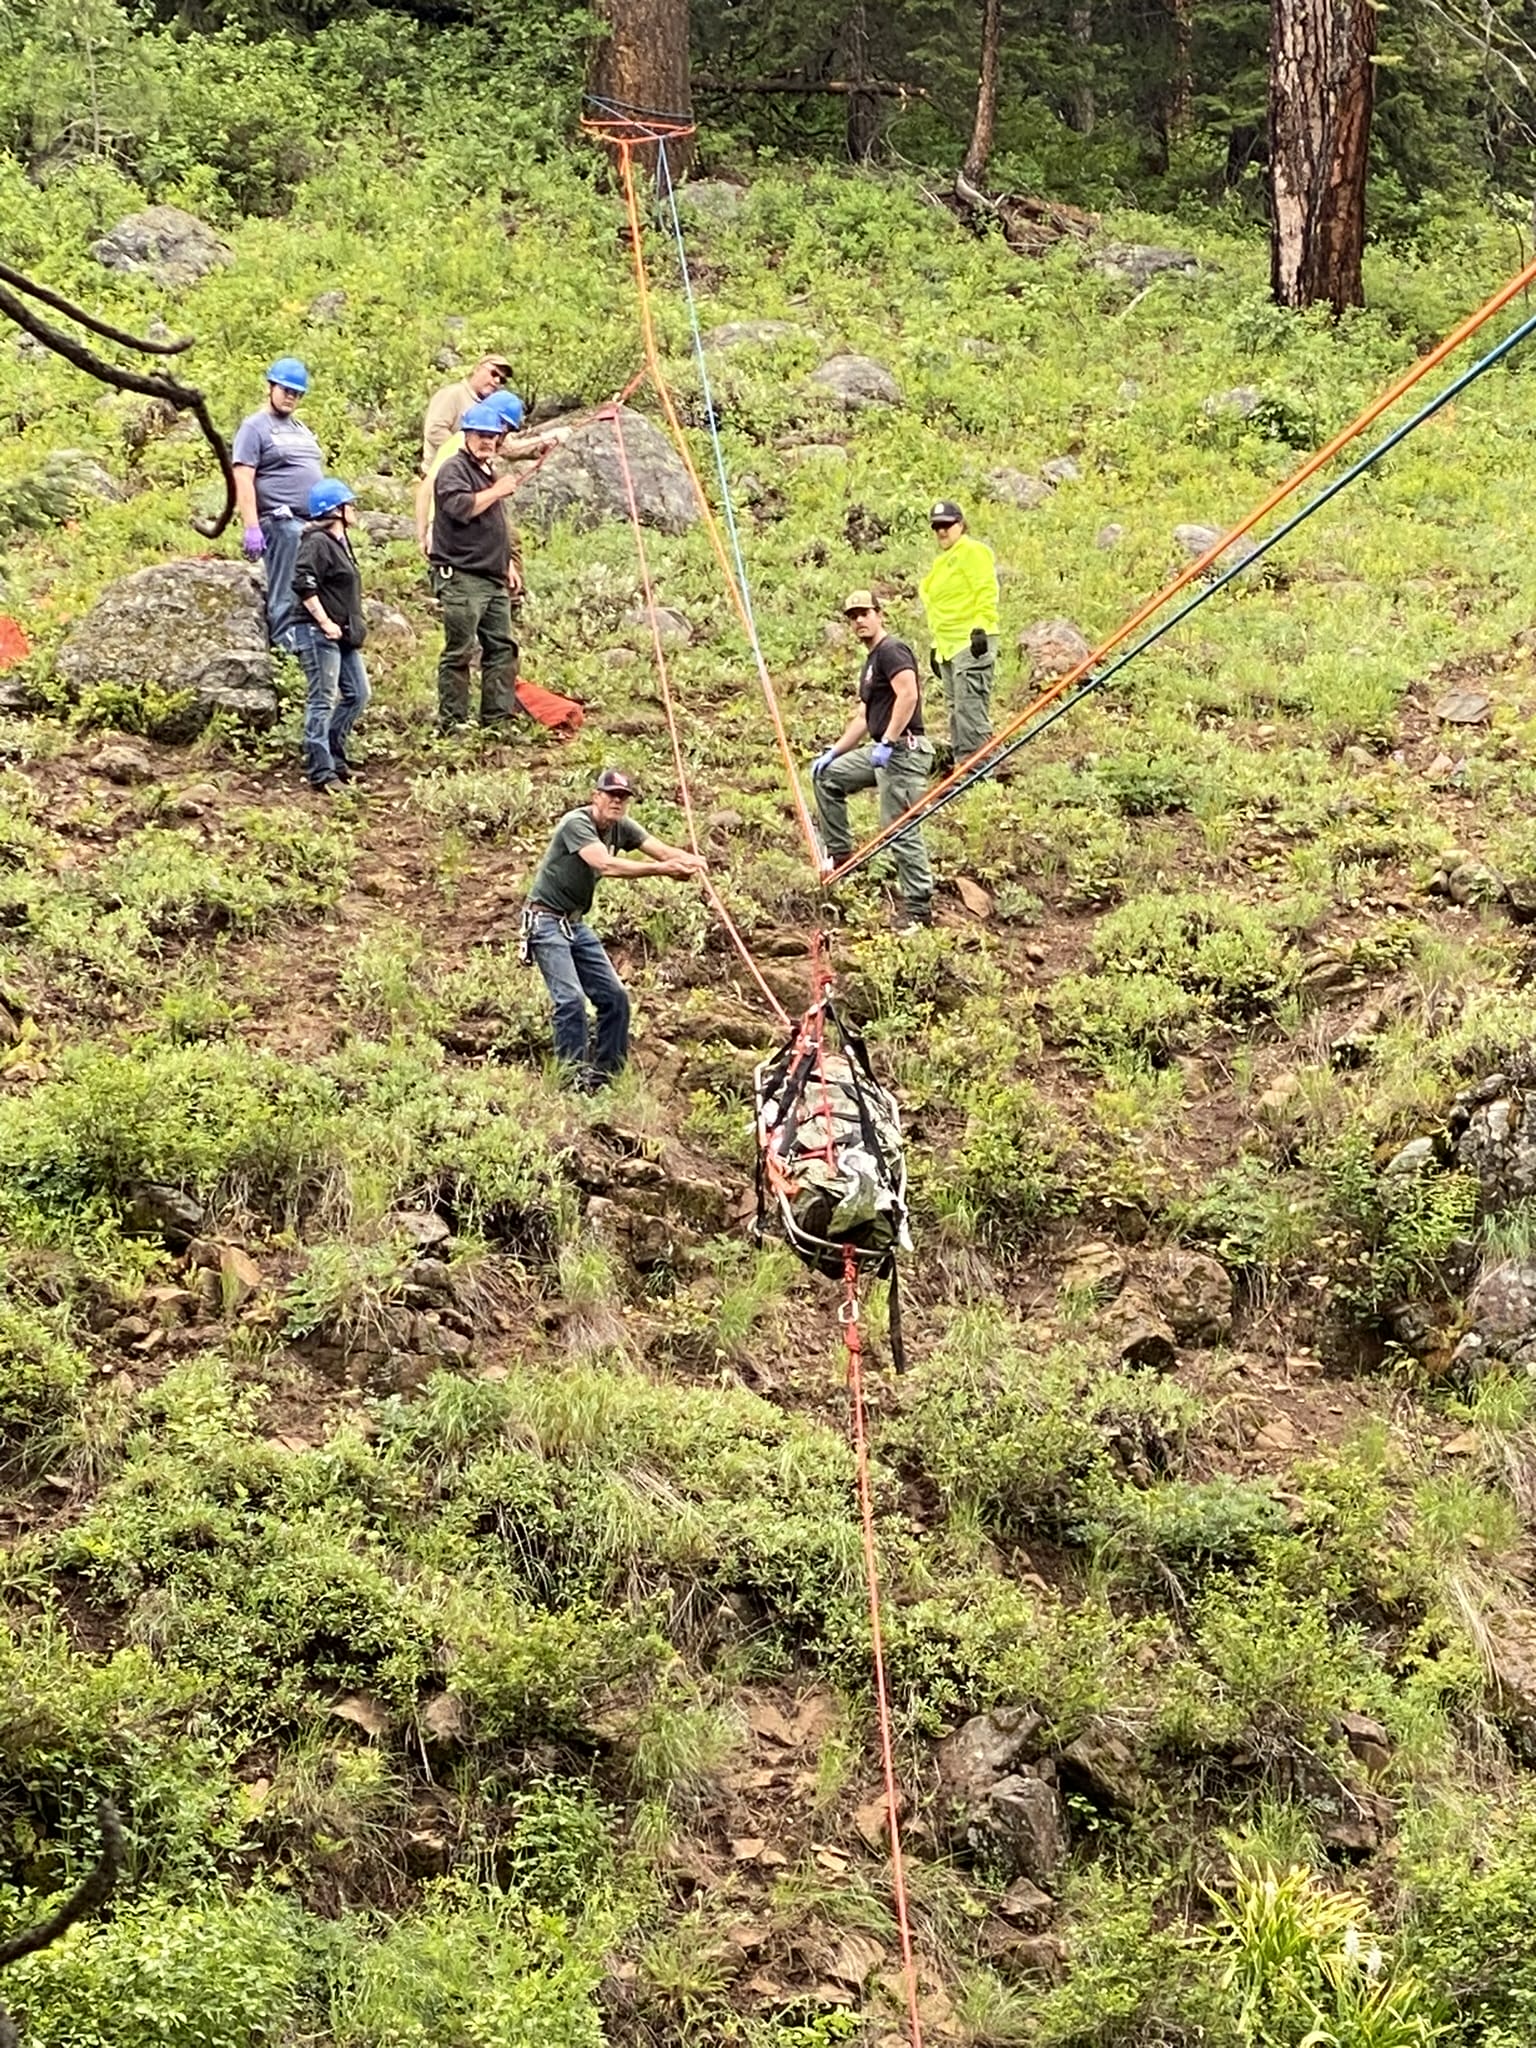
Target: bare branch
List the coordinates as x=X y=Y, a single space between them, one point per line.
x=155 y=385
x=34 y=290
x=86 y=1898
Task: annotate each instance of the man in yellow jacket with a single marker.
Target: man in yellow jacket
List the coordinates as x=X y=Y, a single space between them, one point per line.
x=959 y=596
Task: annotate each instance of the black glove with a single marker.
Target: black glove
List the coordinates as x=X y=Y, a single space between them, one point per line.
x=978 y=643
x=934 y=663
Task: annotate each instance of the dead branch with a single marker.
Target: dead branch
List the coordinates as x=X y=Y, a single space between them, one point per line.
x=34 y=290
x=91 y=1893
x=885 y=88
x=184 y=397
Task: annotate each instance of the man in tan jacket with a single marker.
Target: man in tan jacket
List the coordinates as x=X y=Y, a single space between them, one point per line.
x=449 y=405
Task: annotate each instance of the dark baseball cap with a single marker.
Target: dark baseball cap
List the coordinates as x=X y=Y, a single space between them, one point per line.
x=614 y=782
x=946 y=513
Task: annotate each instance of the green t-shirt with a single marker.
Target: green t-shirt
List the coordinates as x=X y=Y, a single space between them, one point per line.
x=565 y=883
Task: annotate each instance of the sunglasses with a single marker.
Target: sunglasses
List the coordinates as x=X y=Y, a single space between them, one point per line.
x=945 y=525
x=499 y=375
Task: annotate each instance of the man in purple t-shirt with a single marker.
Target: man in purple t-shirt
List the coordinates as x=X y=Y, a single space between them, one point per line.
x=277 y=464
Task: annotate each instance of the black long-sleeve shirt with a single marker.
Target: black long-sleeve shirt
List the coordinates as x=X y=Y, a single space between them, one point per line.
x=477 y=543
x=325 y=567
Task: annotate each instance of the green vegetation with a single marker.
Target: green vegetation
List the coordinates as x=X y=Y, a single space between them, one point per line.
x=426 y=1514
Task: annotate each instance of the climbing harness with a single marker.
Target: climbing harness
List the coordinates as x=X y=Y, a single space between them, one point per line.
x=1088 y=675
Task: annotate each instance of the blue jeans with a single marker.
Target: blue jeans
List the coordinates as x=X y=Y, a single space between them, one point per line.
x=576 y=968
x=338 y=691
x=282 y=537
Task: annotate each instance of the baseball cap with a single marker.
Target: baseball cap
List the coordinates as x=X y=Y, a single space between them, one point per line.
x=945 y=513
x=497 y=362
x=860 y=601
x=614 y=782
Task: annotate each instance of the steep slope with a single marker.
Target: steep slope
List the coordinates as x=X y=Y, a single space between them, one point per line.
x=429 y=1515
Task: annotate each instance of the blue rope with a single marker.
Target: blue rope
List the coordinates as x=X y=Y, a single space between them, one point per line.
x=1095 y=682
x=669 y=192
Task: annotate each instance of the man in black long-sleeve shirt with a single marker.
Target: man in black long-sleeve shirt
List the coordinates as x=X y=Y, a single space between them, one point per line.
x=474 y=576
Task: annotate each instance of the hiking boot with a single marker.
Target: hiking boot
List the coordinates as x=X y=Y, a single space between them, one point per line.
x=907 y=920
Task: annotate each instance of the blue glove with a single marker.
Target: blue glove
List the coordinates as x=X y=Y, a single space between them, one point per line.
x=823 y=762
x=880 y=754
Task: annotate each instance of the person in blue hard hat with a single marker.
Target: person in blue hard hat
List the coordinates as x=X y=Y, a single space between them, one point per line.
x=511 y=444
x=329 y=635
x=474 y=575
x=277 y=464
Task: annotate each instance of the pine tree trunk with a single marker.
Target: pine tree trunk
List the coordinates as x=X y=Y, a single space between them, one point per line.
x=1080 y=109
x=642 y=62
x=1321 y=85
x=985 y=125
x=863 y=119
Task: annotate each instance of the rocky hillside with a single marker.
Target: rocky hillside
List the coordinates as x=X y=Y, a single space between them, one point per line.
x=428 y=1514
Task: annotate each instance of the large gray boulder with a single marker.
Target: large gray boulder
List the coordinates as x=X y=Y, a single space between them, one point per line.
x=164 y=244
x=194 y=630
x=584 y=482
x=856 y=382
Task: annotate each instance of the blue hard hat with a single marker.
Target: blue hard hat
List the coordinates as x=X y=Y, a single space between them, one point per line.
x=327 y=496
x=511 y=408
x=484 y=417
x=290 y=373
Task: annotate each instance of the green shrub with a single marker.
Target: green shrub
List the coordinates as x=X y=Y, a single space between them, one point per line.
x=42 y=1377
x=1213 y=947
x=1113 y=1017
x=166 y=1973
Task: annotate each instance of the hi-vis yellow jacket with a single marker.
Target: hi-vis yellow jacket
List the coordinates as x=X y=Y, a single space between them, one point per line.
x=960 y=592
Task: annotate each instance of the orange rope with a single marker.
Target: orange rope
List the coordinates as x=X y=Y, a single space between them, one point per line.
x=1281 y=492
x=852 y=1339
x=711 y=523
x=664 y=677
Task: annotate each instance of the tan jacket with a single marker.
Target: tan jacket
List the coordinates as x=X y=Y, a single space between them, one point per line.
x=446 y=409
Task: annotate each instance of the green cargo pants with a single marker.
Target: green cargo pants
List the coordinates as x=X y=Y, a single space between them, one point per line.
x=967 y=680
x=477 y=610
x=901 y=784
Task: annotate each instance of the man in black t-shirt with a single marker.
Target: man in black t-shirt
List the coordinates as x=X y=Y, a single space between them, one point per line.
x=569 y=954
x=882 y=747
x=474 y=576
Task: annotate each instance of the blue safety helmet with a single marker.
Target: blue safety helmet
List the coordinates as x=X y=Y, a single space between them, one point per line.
x=485 y=417
x=290 y=373
x=328 y=496
x=511 y=408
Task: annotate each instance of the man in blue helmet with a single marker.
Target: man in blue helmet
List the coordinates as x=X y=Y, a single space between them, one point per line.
x=512 y=445
x=474 y=575
x=329 y=635
x=277 y=463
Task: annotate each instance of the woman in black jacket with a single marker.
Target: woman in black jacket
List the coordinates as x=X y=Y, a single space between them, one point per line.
x=329 y=634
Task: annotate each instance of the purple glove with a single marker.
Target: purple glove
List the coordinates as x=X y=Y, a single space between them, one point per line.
x=880 y=754
x=254 y=541
x=823 y=762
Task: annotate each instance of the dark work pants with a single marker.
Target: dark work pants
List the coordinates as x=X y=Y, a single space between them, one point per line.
x=477 y=611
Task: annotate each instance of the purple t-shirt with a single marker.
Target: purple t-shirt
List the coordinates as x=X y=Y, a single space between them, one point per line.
x=286 y=458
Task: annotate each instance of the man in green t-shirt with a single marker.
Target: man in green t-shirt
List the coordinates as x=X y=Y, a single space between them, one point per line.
x=586 y=846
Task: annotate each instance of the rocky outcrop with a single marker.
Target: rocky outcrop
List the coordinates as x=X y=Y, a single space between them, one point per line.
x=1194 y=1292
x=857 y=382
x=583 y=480
x=752 y=334
x=1197 y=540
x=193 y=631
x=1137 y=263
x=1054 y=647
x=170 y=247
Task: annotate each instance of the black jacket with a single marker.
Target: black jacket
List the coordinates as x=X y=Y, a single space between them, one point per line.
x=480 y=546
x=326 y=568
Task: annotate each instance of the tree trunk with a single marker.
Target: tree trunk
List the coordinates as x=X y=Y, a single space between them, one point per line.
x=1321 y=85
x=641 y=62
x=863 y=122
x=1080 y=109
x=985 y=125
